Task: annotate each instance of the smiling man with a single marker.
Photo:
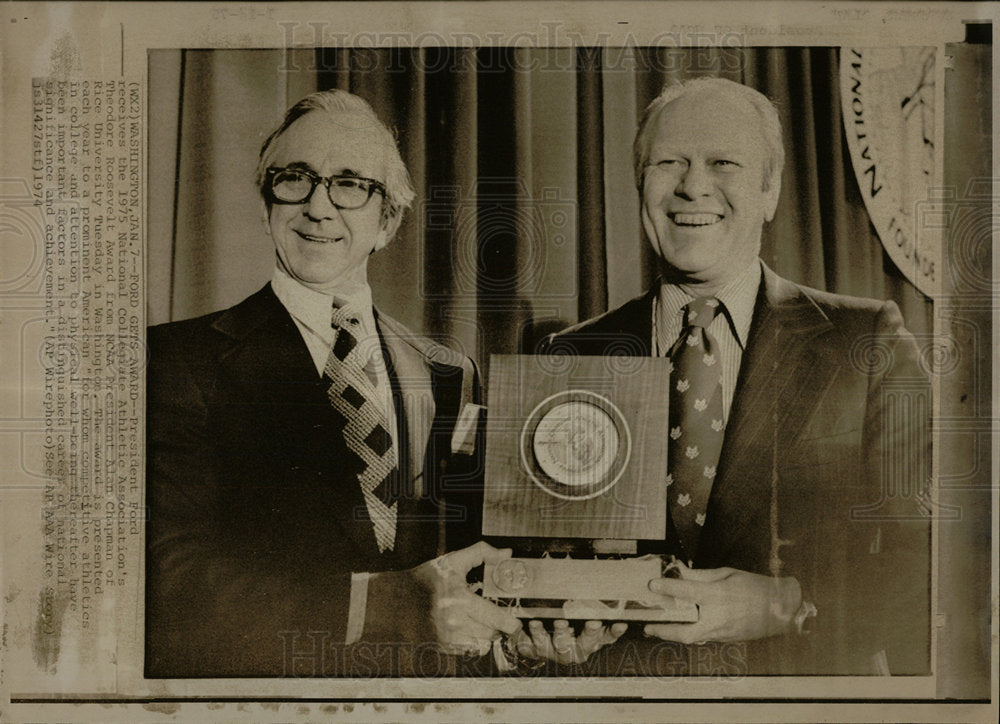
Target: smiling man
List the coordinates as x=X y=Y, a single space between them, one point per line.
x=708 y=185
x=302 y=490
x=798 y=458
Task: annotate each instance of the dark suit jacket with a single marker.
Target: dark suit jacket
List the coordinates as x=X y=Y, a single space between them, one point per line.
x=822 y=477
x=256 y=518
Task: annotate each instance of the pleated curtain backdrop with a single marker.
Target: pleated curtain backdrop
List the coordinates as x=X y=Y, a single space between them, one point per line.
x=527 y=216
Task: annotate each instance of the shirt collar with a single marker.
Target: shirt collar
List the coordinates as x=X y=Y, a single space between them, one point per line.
x=738 y=298
x=313 y=309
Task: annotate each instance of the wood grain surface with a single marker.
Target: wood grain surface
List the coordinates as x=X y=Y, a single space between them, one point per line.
x=635 y=506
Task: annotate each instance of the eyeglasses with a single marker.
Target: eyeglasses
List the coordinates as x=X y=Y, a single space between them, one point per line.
x=296 y=186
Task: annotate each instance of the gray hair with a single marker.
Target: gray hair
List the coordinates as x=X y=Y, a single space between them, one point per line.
x=399 y=192
x=770 y=124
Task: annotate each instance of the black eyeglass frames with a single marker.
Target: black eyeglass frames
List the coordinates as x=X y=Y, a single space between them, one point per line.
x=296 y=186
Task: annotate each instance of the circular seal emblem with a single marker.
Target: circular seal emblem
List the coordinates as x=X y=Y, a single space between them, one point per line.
x=888 y=97
x=511 y=576
x=575 y=444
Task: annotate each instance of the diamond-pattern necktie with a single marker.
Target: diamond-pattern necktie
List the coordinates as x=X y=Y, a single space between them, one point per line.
x=353 y=394
x=696 y=422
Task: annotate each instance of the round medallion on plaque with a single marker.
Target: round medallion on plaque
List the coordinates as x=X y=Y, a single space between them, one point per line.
x=575 y=444
x=511 y=576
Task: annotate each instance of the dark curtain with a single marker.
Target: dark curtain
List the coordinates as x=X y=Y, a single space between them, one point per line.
x=527 y=217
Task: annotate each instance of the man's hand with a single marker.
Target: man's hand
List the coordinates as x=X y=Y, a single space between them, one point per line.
x=733 y=605
x=563 y=646
x=464 y=622
x=433 y=603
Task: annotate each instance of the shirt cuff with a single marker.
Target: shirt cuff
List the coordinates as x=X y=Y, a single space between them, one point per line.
x=357 y=606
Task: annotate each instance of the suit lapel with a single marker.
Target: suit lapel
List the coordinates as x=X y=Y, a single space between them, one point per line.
x=413 y=381
x=630 y=325
x=267 y=349
x=429 y=383
x=779 y=385
x=635 y=324
x=626 y=330
x=270 y=361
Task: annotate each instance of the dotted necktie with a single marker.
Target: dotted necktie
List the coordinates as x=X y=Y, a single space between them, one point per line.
x=696 y=426
x=366 y=431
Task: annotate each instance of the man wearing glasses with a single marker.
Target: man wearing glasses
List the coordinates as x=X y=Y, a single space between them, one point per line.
x=301 y=483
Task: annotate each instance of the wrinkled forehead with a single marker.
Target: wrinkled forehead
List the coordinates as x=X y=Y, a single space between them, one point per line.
x=332 y=143
x=710 y=121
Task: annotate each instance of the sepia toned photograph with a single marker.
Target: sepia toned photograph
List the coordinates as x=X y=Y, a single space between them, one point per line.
x=479 y=365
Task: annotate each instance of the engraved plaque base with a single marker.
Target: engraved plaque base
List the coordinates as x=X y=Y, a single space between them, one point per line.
x=571 y=588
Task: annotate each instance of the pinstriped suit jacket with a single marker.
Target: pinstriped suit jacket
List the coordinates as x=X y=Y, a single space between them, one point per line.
x=822 y=476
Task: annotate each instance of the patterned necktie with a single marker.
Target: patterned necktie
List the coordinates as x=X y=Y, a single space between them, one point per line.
x=696 y=426
x=353 y=394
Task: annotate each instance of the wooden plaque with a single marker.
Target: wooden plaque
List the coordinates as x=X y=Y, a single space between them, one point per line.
x=576 y=447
